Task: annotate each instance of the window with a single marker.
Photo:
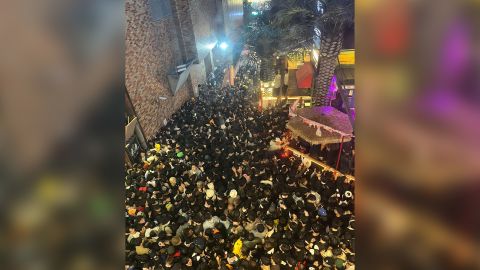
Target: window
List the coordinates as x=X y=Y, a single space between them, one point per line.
x=160 y=9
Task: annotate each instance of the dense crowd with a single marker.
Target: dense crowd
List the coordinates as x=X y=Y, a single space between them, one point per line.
x=217 y=191
x=329 y=154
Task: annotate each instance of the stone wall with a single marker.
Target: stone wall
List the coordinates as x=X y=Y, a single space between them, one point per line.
x=152 y=51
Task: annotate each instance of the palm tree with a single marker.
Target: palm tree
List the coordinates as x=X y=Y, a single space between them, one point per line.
x=303 y=20
x=263 y=38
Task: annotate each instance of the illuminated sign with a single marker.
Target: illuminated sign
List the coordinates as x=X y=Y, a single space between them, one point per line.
x=347 y=57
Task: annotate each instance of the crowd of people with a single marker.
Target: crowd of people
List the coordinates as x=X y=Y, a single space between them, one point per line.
x=214 y=192
x=329 y=154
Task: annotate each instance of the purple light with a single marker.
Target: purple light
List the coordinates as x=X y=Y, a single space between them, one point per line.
x=332 y=90
x=443 y=99
x=333 y=84
x=324 y=110
x=456 y=50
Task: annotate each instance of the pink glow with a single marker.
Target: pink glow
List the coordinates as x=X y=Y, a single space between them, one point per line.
x=325 y=110
x=332 y=90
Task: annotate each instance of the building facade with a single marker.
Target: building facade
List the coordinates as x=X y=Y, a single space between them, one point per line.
x=169 y=53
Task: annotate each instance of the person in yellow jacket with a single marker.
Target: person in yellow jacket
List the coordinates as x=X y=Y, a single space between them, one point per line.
x=237 y=248
x=141 y=250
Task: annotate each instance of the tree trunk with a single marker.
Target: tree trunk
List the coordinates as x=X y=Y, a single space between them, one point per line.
x=327 y=62
x=282 y=77
x=266 y=69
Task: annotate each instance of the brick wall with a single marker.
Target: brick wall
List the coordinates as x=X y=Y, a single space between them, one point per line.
x=184 y=27
x=155 y=48
x=152 y=51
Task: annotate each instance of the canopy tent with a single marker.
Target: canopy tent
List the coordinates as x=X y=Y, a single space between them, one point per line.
x=309 y=133
x=327 y=116
x=320 y=125
x=305 y=75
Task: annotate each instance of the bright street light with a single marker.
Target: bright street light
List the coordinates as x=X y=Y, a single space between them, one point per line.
x=223 y=45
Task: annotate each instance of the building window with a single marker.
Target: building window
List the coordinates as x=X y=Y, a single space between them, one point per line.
x=160 y=9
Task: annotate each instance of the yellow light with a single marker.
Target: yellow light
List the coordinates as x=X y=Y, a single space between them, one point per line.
x=347 y=57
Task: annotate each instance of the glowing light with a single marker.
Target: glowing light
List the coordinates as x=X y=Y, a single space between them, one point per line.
x=347 y=57
x=315 y=55
x=285 y=153
x=211 y=45
x=254 y=13
x=223 y=45
x=333 y=85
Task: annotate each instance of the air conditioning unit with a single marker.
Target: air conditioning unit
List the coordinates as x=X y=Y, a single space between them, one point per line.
x=181 y=68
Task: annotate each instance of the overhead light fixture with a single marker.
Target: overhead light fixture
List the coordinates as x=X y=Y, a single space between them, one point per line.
x=223 y=45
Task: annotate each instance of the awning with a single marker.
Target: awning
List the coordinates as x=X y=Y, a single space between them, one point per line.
x=305 y=75
x=319 y=125
x=328 y=116
x=310 y=134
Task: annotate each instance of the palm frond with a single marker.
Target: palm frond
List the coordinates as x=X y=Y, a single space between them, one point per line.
x=293 y=16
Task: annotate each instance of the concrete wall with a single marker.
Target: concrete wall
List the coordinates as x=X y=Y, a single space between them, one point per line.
x=233 y=18
x=202 y=15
